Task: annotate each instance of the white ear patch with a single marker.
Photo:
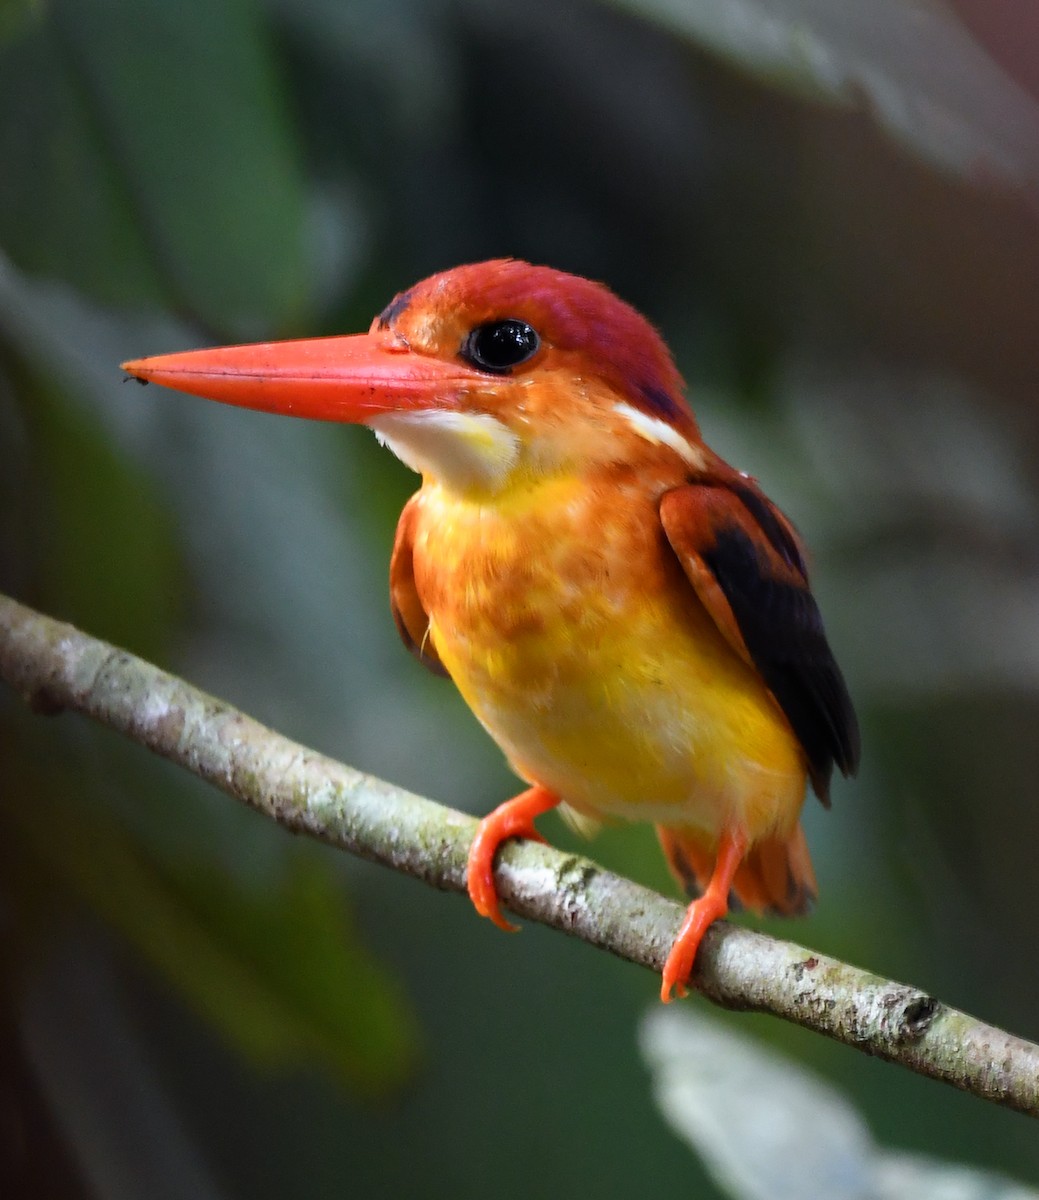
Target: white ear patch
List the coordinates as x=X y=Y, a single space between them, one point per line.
x=455 y=448
x=660 y=433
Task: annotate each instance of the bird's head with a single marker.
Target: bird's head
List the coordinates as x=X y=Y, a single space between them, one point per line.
x=473 y=377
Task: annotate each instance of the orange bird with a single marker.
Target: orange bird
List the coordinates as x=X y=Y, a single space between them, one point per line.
x=628 y=616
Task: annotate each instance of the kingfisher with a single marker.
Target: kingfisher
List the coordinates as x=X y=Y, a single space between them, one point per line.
x=628 y=616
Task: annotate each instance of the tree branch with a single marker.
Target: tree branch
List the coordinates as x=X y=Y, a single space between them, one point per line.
x=57 y=667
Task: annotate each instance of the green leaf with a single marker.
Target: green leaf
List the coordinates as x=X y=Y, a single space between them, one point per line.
x=282 y=974
x=201 y=134
x=107 y=553
x=64 y=210
x=299 y=942
x=909 y=63
x=14 y=16
x=158 y=132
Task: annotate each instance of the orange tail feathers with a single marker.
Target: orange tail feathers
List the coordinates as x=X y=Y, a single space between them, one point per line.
x=775 y=877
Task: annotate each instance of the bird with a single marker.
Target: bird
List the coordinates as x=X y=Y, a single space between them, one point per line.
x=628 y=616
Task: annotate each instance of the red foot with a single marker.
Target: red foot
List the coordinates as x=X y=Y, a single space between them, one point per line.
x=714 y=903
x=514 y=818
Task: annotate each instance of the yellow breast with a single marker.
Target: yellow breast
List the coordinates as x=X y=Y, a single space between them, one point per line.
x=568 y=626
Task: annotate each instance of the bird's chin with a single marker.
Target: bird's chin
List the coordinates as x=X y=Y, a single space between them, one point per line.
x=459 y=449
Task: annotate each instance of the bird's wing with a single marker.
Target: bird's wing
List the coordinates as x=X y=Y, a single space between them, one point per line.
x=411 y=618
x=745 y=564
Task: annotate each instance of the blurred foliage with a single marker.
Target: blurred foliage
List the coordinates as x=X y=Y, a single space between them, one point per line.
x=119 y=164
x=911 y=65
x=830 y=210
x=770 y=1130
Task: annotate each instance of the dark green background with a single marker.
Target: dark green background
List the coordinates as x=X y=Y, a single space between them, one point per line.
x=831 y=211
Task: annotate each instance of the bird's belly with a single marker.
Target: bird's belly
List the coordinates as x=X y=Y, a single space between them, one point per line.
x=593 y=665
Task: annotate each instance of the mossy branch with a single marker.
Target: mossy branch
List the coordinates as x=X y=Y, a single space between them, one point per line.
x=57 y=667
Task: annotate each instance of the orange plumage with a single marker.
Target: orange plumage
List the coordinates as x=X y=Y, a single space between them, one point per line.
x=627 y=615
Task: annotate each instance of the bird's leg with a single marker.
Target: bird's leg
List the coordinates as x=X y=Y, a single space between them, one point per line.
x=514 y=818
x=714 y=903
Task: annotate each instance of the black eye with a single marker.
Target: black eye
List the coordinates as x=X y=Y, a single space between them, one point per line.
x=499 y=346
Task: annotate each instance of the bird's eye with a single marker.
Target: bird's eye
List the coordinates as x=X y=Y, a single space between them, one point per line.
x=499 y=346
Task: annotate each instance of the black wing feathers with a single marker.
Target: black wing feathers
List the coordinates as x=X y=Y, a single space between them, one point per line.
x=777 y=531
x=783 y=631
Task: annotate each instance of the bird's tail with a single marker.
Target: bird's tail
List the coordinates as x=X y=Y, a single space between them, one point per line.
x=776 y=876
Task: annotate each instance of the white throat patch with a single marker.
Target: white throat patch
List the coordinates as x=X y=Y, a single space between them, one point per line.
x=458 y=449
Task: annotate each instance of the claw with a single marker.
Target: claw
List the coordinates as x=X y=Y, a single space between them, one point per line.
x=514 y=818
x=700 y=915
